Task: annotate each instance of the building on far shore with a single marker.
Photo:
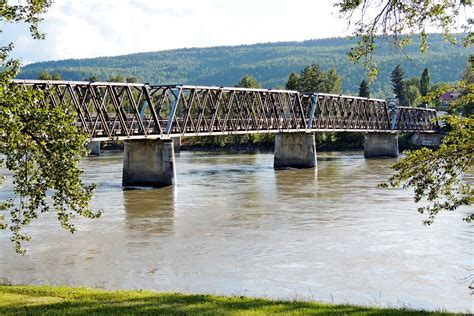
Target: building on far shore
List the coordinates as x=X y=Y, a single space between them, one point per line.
x=448 y=97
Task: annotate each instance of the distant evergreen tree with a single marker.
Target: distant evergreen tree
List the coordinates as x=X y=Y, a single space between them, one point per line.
x=131 y=79
x=399 y=86
x=364 y=90
x=332 y=82
x=311 y=79
x=116 y=78
x=293 y=81
x=45 y=75
x=92 y=79
x=425 y=82
x=248 y=82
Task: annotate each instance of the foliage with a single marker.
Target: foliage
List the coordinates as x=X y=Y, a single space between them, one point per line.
x=248 y=82
x=313 y=79
x=412 y=94
x=93 y=78
x=398 y=85
x=46 y=300
x=437 y=175
x=270 y=64
x=44 y=75
x=364 y=90
x=332 y=82
x=397 y=21
x=293 y=81
x=425 y=82
x=39 y=144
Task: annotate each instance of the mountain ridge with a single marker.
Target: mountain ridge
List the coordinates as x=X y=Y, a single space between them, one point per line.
x=270 y=63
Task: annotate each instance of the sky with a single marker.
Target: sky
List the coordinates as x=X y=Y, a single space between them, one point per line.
x=92 y=28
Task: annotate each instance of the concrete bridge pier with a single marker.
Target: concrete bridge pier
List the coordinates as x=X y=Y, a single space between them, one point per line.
x=381 y=145
x=148 y=163
x=425 y=139
x=294 y=150
x=177 y=145
x=94 y=148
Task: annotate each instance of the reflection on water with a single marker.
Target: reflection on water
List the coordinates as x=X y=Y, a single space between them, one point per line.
x=233 y=225
x=149 y=212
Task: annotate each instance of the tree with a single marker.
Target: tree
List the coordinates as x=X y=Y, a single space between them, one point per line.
x=39 y=143
x=397 y=21
x=293 y=81
x=425 y=82
x=131 y=79
x=398 y=85
x=412 y=94
x=44 y=75
x=332 y=82
x=116 y=78
x=364 y=90
x=92 y=78
x=248 y=82
x=313 y=79
x=435 y=175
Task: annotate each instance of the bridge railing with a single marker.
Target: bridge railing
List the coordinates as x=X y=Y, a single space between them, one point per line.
x=121 y=110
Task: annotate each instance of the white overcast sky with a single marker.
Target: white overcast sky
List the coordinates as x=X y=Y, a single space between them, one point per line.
x=91 y=28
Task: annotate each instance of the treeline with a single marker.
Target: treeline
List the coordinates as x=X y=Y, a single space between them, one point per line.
x=270 y=64
x=312 y=78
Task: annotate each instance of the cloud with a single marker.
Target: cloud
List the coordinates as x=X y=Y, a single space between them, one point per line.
x=90 y=28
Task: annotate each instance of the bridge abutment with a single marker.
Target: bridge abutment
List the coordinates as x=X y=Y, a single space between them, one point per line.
x=381 y=145
x=94 y=148
x=148 y=163
x=294 y=150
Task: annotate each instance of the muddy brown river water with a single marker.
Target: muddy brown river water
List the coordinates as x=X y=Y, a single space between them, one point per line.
x=233 y=225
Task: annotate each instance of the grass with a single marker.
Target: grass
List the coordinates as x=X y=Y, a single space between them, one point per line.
x=47 y=300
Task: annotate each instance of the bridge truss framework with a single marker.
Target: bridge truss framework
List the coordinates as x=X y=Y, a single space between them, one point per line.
x=141 y=111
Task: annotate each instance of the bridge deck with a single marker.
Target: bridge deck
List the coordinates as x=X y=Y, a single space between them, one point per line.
x=136 y=111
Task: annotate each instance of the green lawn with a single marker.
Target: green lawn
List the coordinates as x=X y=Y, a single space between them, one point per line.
x=21 y=300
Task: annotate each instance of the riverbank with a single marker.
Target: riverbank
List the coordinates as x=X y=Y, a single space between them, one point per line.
x=265 y=142
x=21 y=300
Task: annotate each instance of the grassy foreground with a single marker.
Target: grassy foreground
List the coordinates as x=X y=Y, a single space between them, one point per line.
x=21 y=300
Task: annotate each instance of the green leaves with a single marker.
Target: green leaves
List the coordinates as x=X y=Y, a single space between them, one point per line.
x=437 y=175
x=397 y=21
x=313 y=79
x=40 y=145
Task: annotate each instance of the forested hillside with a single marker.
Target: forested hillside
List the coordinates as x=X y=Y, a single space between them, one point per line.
x=269 y=63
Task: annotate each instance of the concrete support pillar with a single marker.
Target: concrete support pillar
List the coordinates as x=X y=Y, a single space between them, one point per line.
x=148 y=163
x=294 y=150
x=381 y=145
x=426 y=139
x=94 y=148
x=177 y=145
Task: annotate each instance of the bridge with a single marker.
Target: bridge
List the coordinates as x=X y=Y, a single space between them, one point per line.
x=149 y=117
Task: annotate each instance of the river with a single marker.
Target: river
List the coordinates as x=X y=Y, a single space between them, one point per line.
x=234 y=226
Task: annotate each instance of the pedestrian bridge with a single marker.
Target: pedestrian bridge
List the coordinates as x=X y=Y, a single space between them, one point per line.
x=148 y=118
